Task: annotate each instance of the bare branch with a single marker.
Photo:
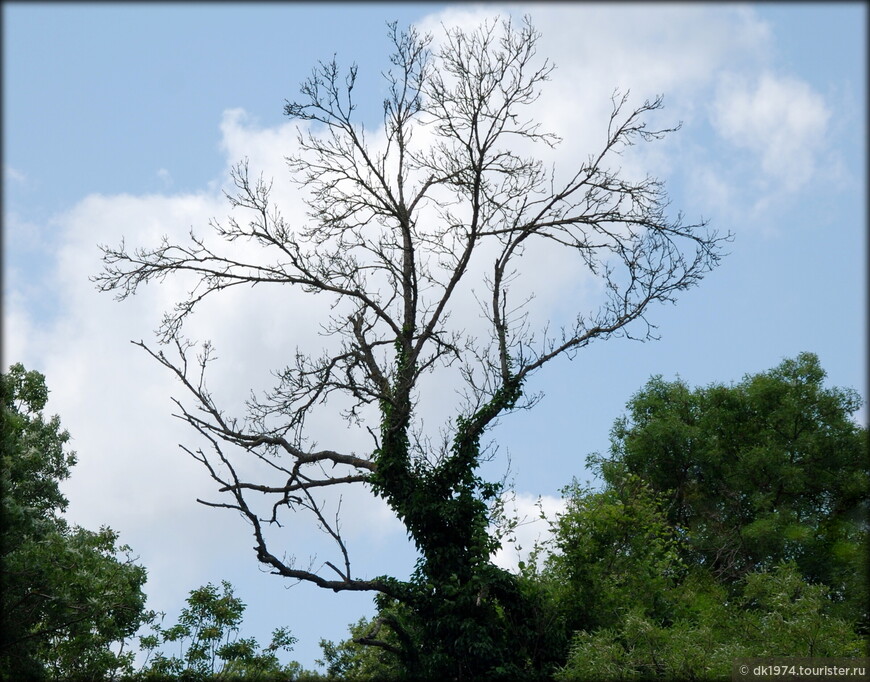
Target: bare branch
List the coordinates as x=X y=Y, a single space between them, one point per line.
x=394 y=229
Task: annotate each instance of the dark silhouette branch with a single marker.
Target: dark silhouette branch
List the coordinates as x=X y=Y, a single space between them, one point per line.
x=393 y=231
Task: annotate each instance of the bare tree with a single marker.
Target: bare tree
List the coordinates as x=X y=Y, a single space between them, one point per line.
x=393 y=231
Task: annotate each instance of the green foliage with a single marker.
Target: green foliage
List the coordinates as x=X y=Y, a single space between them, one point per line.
x=351 y=660
x=206 y=636
x=70 y=597
x=774 y=613
x=732 y=523
x=769 y=470
x=34 y=458
x=376 y=650
x=613 y=549
x=787 y=616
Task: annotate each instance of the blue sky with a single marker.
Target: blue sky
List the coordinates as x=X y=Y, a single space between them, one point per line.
x=123 y=120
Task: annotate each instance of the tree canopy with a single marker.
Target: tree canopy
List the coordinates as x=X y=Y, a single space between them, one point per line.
x=732 y=523
x=70 y=597
x=768 y=470
x=207 y=636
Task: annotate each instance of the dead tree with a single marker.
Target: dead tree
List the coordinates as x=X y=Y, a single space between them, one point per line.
x=395 y=231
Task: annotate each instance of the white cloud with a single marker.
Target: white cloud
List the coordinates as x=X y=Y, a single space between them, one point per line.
x=778 y=118
x=14 y=175
x=531 y=528
x=18 y=332
x=705 y=60
x=267 y=148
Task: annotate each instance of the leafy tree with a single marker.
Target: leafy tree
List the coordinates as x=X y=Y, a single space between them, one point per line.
x=209 y=645
x=613 y=549
x=774 y=613
x=771 y=469
x=70 y=597
x=352 y=660
x=639 y=569
x=540 y=630
x=400 y=232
